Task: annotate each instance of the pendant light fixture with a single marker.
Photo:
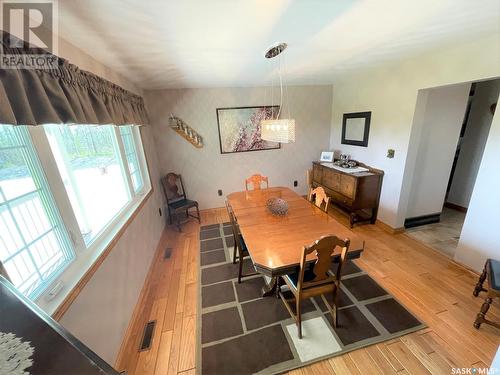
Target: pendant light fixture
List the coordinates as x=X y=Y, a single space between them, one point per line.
x=278 y=129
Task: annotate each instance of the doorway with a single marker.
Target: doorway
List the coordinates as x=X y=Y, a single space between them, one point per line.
x=442 y=200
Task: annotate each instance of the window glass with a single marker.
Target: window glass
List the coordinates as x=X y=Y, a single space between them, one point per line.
x=127 y=133
x=34 y=244
x=89 y=161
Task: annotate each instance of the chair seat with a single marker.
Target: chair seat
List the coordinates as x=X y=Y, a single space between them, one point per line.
x=494 y=272
x=183 y=203
x=309 y=275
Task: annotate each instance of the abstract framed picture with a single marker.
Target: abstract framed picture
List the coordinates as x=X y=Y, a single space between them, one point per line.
x=239 y=128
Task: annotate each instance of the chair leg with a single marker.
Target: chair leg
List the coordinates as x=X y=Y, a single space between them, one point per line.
x=240 y=267
x=234 y=254
x=198 y=213
x=299 y=317
x=331 y=309
x=479 y=286
x=235 y=249
x=481 y=316
x=279 y=283
x=169 y=216
x=335 y=316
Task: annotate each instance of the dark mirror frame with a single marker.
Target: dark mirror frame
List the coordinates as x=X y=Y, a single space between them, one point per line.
x=367 y=116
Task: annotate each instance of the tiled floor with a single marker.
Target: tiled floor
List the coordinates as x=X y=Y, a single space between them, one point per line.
x=442 y=236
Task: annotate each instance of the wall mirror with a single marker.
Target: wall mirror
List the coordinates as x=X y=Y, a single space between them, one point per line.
x=356 y=128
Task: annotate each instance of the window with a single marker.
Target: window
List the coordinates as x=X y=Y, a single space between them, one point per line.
x=91 y=167
x=34 y=244
x=131 y=155
x=65 y=192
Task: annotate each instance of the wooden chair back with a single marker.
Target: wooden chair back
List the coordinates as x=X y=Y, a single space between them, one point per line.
x=319 y=197
x=256 y=180
x=173 y=188
x=232 y=220
x=323 y=249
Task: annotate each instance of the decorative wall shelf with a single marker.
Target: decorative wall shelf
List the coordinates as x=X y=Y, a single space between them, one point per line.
x=185 y=131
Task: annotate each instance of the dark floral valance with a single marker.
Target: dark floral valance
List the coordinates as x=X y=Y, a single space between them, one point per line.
x=61 y=94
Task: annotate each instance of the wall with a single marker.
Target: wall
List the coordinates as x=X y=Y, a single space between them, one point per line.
x=476 y=134
x=480 y=237
x=100 y=314
x=86 y=62
x=206 y=170
x=440 y=121
x=390 y=92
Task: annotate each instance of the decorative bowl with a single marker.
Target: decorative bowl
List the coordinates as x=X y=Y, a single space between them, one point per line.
x=277 y=206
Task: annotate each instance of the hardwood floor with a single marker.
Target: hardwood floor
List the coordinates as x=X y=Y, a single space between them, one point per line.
x=434 y=288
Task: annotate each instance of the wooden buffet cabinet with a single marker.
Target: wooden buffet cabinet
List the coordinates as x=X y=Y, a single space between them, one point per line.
x=357 y=193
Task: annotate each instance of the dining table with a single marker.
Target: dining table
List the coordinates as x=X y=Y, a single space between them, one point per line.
x=275 y=242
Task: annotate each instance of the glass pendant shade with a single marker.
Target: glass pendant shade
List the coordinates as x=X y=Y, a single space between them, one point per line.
x=279 y=130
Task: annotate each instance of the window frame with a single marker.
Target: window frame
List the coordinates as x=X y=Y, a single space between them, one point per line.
x=44 y=192
x=135 y=135
x=86 y=256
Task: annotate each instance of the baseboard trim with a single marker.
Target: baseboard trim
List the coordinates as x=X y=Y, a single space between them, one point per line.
x=388 y=228
x=423 y=220
x=455 y=207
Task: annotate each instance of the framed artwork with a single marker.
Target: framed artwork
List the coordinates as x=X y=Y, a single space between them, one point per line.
x=326 y=156
x=239 y=128
x=356 y=128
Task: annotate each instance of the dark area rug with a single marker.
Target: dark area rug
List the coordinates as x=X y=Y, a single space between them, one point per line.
x=239 y=332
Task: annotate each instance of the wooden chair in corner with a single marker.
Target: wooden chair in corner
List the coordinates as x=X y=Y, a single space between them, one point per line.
x=319 y=198
x=256 y=181
x=491 y=272
x=240 y=248
x=177 y=202
x=316 y=280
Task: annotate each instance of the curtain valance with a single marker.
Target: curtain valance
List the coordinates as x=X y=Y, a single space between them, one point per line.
x=63 y=94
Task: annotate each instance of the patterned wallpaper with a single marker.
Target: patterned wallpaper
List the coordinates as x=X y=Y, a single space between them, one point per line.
x=206 y=170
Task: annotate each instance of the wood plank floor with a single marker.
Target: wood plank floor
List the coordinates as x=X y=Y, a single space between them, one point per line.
x=434 y=288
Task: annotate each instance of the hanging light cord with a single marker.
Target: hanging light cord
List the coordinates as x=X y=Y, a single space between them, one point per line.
x=281 y=87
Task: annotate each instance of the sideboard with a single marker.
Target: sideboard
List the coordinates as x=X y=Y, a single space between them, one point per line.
x=356 y=193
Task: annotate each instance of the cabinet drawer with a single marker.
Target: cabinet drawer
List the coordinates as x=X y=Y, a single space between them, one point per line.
x=342 y=199
x=317 y=173
x=331 y=180
x=348 y=186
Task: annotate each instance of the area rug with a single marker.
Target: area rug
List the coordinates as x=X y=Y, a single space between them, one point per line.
x=239 y=332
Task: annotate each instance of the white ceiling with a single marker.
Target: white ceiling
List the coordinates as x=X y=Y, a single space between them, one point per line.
x=217 y=43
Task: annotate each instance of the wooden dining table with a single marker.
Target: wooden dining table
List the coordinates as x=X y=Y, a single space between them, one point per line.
x=274 y=242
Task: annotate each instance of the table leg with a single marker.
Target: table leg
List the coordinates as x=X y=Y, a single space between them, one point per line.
x=270 y=289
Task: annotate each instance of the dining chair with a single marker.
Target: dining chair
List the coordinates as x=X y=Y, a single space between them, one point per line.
x=491 y=272
x=318 y=196
x=317 y=280
x=240 y=250
x=256 y=180
x=177 y=202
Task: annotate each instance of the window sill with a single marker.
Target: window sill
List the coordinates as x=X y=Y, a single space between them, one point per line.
x=74 y=279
